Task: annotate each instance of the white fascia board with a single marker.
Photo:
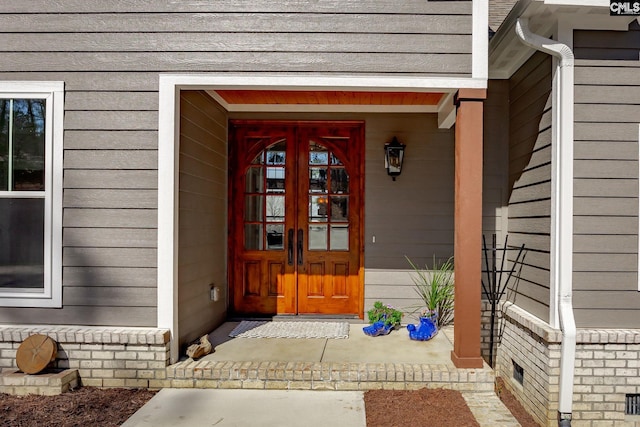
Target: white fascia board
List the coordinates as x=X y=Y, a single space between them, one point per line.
x=208 y=81
x=480 y=40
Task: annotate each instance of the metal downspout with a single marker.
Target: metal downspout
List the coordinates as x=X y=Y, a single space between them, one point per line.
x=562 y=227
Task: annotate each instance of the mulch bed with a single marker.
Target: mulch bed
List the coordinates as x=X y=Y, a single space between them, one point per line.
x=86 y=406
x=517 y=410
x=425 y=407
x=91 y=406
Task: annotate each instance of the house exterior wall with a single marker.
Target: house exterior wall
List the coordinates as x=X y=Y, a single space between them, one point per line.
x=529 y=187
x=606 y=370
x=605 y=277
x=202 y=260
x=109 y=56
x=607 y=116
x=495 y=180
x=259 y=36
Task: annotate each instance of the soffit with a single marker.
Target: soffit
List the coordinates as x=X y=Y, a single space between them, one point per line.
x=507 y=53
x=291 y=97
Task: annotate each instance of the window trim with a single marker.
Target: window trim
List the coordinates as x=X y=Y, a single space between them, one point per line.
x=53 y=93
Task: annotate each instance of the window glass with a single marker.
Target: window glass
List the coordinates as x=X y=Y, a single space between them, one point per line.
x=4 y=144
x=27 y=144
x=21 y=243
x=264 y=200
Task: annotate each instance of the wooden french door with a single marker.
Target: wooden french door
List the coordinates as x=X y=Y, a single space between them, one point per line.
x=295 y=217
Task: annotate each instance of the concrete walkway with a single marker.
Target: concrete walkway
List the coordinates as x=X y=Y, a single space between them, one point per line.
x=283 y=408
x=255 y=408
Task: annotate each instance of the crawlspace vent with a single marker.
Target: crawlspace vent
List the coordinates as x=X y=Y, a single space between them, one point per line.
x=632 y=404
x=518 y=372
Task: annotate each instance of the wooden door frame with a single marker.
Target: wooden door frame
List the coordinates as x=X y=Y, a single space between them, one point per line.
x=233 y=159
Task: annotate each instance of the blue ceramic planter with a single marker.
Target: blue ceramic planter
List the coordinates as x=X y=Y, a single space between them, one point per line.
x=377 y=328
x=426 y=330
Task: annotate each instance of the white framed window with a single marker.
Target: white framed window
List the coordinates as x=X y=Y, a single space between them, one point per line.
x=31 y=130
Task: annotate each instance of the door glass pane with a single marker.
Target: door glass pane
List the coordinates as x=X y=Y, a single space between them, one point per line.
x=28 y=144
x=275 y=179
x=317 y=180
x=276 y=154
x=339 y=237
x=22 y=243
x=318 y=209
x=339 y=208
x=4 y=144
x=318 y=237
x=275 y=236
x=334 y=160
x=254 y=181
x=275 y=208
x=318 y=154
x=253 y=237
x=339 y=181
x=253 y=208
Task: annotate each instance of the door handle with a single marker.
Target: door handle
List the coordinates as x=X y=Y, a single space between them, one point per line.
x=300 y=238
x=290 y=246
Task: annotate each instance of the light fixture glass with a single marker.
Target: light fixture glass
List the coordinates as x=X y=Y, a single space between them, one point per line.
x=393 y=157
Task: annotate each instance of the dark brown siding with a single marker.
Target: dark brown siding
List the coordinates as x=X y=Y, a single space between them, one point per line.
x=607 y=115
x=530 y=178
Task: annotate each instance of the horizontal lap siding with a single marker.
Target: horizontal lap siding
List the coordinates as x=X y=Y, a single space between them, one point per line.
x=495 y=167
x=421 y=38
x=412 y=216
x=203 y=214
x=530 y=180
x=109 y=55
x=607 y=115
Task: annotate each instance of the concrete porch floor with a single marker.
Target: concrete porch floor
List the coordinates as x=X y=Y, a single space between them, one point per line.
x=358 y=348
x=359 y=362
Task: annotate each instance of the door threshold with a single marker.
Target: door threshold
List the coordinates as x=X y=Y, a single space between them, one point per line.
x=316 y=318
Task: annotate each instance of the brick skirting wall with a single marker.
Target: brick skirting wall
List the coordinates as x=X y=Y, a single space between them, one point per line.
x=104 y=357
x=606 y=369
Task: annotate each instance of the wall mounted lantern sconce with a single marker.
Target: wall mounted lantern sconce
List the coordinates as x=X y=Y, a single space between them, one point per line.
x=393 y=157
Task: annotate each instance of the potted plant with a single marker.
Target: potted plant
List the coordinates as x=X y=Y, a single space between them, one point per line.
x=383 y=319
x=436 y=289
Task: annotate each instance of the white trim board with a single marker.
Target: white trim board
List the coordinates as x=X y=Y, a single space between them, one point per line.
x=480 y=40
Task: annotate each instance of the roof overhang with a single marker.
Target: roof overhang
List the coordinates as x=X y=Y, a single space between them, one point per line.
x=548 y=18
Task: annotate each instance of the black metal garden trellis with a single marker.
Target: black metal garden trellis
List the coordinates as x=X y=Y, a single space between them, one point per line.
x=496 y=287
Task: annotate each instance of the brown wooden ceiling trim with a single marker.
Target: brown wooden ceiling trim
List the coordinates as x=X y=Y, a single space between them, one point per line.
x=284 y=97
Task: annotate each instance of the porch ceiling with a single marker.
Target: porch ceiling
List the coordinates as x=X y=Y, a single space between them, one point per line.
x=286 y=97
x=338 y=101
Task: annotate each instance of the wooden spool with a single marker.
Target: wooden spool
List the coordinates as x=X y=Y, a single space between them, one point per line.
x=35 y=353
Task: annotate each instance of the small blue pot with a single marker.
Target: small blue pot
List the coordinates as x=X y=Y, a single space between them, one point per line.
x=426 y=330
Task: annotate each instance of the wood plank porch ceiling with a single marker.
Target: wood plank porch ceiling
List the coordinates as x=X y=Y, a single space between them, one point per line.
x=285 y=97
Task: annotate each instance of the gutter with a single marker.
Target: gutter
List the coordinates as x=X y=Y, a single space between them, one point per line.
x=561 y=208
